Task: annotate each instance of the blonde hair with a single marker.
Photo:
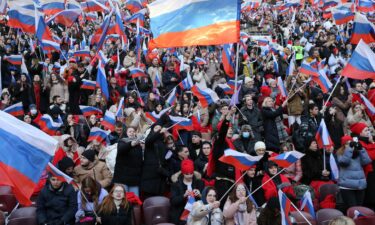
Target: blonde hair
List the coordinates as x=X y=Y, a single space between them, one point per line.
x=342 y=220
x=265 y=100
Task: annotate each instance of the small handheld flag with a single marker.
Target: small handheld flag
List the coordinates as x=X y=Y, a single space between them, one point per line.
x=322 y=136
x=286 y=159
x=238 y=159
x=307 y=204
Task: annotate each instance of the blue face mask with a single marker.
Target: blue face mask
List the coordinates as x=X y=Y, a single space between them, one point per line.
x=245 y=134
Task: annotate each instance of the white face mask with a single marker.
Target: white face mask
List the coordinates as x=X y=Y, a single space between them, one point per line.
x=33 y=111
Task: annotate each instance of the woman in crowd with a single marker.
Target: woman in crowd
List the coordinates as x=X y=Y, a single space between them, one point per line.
x=115 y=208
x=206 y=211
x=352 y=157
x=89 y=197
x=238 y=208
x=294 y=171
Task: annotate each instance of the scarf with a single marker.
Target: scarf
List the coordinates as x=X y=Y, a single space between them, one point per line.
x=239 y=216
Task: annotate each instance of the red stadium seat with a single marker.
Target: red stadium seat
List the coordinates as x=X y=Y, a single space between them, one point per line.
x=25 y=212
x=300 y=220
x=324 y=216
x=365 y=221
x=137 y=218
x=365 y=211
x=2 y=218
x=7 y=202
x=156 y=210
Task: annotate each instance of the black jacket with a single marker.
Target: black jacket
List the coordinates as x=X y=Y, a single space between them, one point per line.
x=120 y=217
x=253 y=117
x=271 y=135
x=168 y=84
x=308 y=128
x=178 y=201
x=251 y=185
x=312 y=166
x=55 y=207
x=128 y=168
x=154 y=174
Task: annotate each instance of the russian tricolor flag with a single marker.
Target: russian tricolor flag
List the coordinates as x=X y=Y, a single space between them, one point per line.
x=137 y=72
x=98 y=134
x=200 y=61
x=369 y=105
x=89 y=110
x=81 y=53
x=58 y=174
x=120 y=108
x=187 y=83
x=133 y=5
x=322 y=136
x=188 y=208
x=88 y=84
x=362 y=29
x=51 y=7
x=280 y=85
x=329 y=3
x=285 y=205
x=309 y=68
x=227 y=58
x=172 y=97
x=109 y=120
x=365 y=6
x=262 y=42
x=195 y=22
x=307 y=204
x=286 y=159
x=93 y=6
x=238 y=159
x=25 y=152
x=232 y=83
x=101 y=79
x=154 y=116
x=226 y=88
x=22 y=18
x=15 y=110
x=323 y=81
x=206 y=96
x=47 y=125
x=342 y=16
x=14 y=59
x=362 y=63
x=182 y=123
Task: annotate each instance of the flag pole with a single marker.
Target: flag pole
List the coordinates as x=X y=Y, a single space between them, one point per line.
x=266 y=182
x=237 y=62
x=299 y=211
x=324 y=158
x=222 y=197
x=330 y=95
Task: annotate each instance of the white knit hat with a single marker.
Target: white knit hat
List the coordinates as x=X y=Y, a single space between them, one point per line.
x=259 y=145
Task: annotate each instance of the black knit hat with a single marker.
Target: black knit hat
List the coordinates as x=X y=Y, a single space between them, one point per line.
x=65 y=163
x=89 y=154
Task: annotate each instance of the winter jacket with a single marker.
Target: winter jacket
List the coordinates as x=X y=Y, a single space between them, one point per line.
x=245 y=145
x=178 y=201
x=369 y=170
x=129 y=162
x=98 y=170
x=60 y=89
x=200 y=214
x=254 y=119
x=351 y=174
x=271 y=130
x=56 y=207
x=271 y=188
x=230 y=210
x=312 y=166
x=154 y=173
x=120 y=217
x=308 y=128
x=167 y=83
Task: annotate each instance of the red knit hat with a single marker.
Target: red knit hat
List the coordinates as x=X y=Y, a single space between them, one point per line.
x=265 y=91
x=345 y=139
x=187 y=166
x=357 y=128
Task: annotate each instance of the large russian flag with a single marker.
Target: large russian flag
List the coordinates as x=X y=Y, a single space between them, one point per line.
x=362 y=63
x=15 y=110
x=98 y=134
x=322 y=136
x=365 y=6
x=109 y=120
x=194 y=22
x=342 y=16
x=286 y=159
x=206 y=96
x=25 y=152
x=66 y=17
x=89 y=110
x=93 y=6
x=22 y=18
x=51 y=7
x=362 y=29
x=238 y=159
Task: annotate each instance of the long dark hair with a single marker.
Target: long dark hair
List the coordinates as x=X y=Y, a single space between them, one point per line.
x=108 y=205
x=89 y=182
x=233 y=197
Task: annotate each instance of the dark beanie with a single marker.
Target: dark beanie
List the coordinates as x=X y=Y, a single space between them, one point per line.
x=89 y=154
x=65 y=163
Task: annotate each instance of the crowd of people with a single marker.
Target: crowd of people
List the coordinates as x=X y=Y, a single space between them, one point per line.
x=142 y=157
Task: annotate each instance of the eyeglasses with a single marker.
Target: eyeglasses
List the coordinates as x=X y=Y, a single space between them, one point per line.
x=211 y=195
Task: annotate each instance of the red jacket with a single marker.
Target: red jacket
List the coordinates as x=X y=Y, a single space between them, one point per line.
x=270 y=189
x=370 y=149
x=60 y=154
